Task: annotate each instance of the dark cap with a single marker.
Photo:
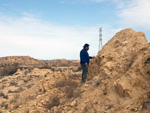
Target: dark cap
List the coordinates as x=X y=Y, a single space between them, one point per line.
x=86 y=45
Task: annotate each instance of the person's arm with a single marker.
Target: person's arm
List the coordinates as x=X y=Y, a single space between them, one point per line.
x=82 y=57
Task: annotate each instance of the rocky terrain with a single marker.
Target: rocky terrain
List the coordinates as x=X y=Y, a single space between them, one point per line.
x=9 y=65
x=118 y=82
x=23 y=77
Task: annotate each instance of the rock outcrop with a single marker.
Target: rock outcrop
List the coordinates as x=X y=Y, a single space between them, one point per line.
x=125 y=61
x=117 y=56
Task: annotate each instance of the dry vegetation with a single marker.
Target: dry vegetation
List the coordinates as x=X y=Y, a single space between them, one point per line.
x=22 y=83
x=67 y=86
x=51 y=102
x=6 y=70
x=11 y=86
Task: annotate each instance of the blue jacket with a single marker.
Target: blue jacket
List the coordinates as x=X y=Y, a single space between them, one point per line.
x=84 y=57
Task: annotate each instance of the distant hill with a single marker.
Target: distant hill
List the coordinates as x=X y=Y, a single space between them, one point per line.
x=21 y=60
x=10 y=64
x=29 y=61
x=64 y=62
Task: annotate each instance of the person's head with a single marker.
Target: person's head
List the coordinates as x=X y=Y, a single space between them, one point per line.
x=86 y=46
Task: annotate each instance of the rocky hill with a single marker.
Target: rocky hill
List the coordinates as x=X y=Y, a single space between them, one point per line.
x=21 y=60
x=27 y=61
x=118 y=82
x=10 y=64
x=64 y=62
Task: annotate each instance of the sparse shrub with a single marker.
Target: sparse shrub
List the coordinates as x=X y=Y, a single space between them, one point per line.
x=29 y=86
x=97 y=83
x=19 y=90
x=16 y=91
x=65 y=82
x=72 y=92
x=13 y=100
x=53 y=69
x=4 y=80
x=74 y=76
x=30 y=97
x=46 y=66
x=69 y=92
x=16 y=101
x=9 y=70
x=13 y=83
x=69 y=86
x=4 y=105
x=51 y=102
x=25 y=81
x=77 y=93
x=10 y=91
x=16 y=105
x=26 y=110
x=2 y=87
x=3 y=95
x=63 y=63
x=40 y=90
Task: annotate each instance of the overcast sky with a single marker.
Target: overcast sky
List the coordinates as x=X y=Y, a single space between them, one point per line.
x=51 y=29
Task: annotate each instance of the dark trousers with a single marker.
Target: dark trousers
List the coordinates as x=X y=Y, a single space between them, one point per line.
x=84 y=72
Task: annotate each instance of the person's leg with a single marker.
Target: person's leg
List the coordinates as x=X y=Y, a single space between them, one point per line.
x=84 y=73
x=83 y=66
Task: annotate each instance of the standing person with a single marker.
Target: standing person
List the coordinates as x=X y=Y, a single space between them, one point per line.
x=84 y=61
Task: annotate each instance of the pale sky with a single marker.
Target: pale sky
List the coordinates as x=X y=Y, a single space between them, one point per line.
x=52 y=29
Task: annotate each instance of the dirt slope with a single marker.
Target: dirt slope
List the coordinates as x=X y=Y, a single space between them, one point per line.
x=118 y=54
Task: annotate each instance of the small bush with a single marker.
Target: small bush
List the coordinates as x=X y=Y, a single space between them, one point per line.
x=65 y=82
x=29 y=86
x=13 y=83
x=53 y=69
x=9 y=70
x=25 y=81
x=46 y=66
x=69 y=87
x=64 y=64
x=16 y=91
x=4 y=80
x=51 y=102
x=3 y=86
x=74 y=76
x=16 y=105
x=4 y=105
x=19 y=90
x=3 y=95
x=10 y=91
x=69 y=92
